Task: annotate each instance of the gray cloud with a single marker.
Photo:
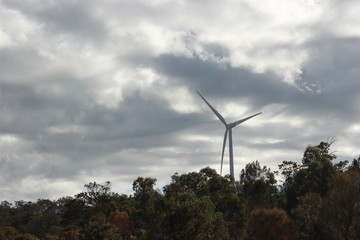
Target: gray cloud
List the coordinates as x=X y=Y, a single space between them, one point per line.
x=66 y=17
x=115 y=98
x=216 y=79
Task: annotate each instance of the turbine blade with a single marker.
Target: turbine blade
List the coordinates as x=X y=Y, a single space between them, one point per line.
x=243 y=120
x=223 y=149
x=213 y=109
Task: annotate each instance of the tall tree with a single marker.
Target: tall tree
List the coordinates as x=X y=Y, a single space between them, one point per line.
x=355 y=164
x=95 y=194
x=74 y=212
x=191 y=217
x=314 y=174
x=42 y=225
x=6 y=214
x=147 y=212
x=258 y=184
x=223 y=192
x=308 y=216
x=342 y=208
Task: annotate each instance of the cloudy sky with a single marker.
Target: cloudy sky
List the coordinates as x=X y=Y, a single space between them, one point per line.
x=106 y=90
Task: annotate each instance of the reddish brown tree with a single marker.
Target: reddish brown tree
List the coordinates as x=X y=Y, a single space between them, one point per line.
x=70 y=235
x=308 y=216
x=342 y=208
x=121 y=224
x=270 y=224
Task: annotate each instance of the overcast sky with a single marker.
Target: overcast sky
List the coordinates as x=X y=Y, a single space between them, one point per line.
x=106 y=90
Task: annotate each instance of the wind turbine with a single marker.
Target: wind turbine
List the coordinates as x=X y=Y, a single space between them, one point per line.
x=229 y=127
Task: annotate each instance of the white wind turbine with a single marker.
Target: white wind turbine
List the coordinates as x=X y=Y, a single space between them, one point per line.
x=229 y=127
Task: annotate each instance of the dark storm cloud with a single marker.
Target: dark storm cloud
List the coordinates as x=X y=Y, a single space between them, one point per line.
x=140 y=123
x=33 y=110
x=328 y=84
x=225 y=81
x=32 y=107
x=333 y=69
x=325 y=96
x=217 y=50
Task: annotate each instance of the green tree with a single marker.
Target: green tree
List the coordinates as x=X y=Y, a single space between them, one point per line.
x=223 y=192
x=355 y=165
x=97 y=196
x=195 y=182
x=147 y=212
x=98 y=228
x=77 y=211
x=6 y=213
x=191 y=217
x=258 y=185
x=45 y=219
x=8 y=233
x=314 y=174
x=74 y=212
x=42 y=225
x=23 y=212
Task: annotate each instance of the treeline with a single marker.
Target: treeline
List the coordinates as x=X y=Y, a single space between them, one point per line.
x=318 y=199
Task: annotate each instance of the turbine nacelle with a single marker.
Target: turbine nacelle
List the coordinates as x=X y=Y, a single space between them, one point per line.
x=228 y=130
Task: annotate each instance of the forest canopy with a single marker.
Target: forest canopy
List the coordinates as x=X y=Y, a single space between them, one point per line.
x=318 y=199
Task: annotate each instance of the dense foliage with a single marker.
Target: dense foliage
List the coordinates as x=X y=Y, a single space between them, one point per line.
x=319 y=199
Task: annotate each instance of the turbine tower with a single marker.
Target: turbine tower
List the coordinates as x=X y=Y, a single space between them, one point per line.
x=229 y=127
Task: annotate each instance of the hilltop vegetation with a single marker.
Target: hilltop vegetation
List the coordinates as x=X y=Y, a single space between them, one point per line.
x=319 y=199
